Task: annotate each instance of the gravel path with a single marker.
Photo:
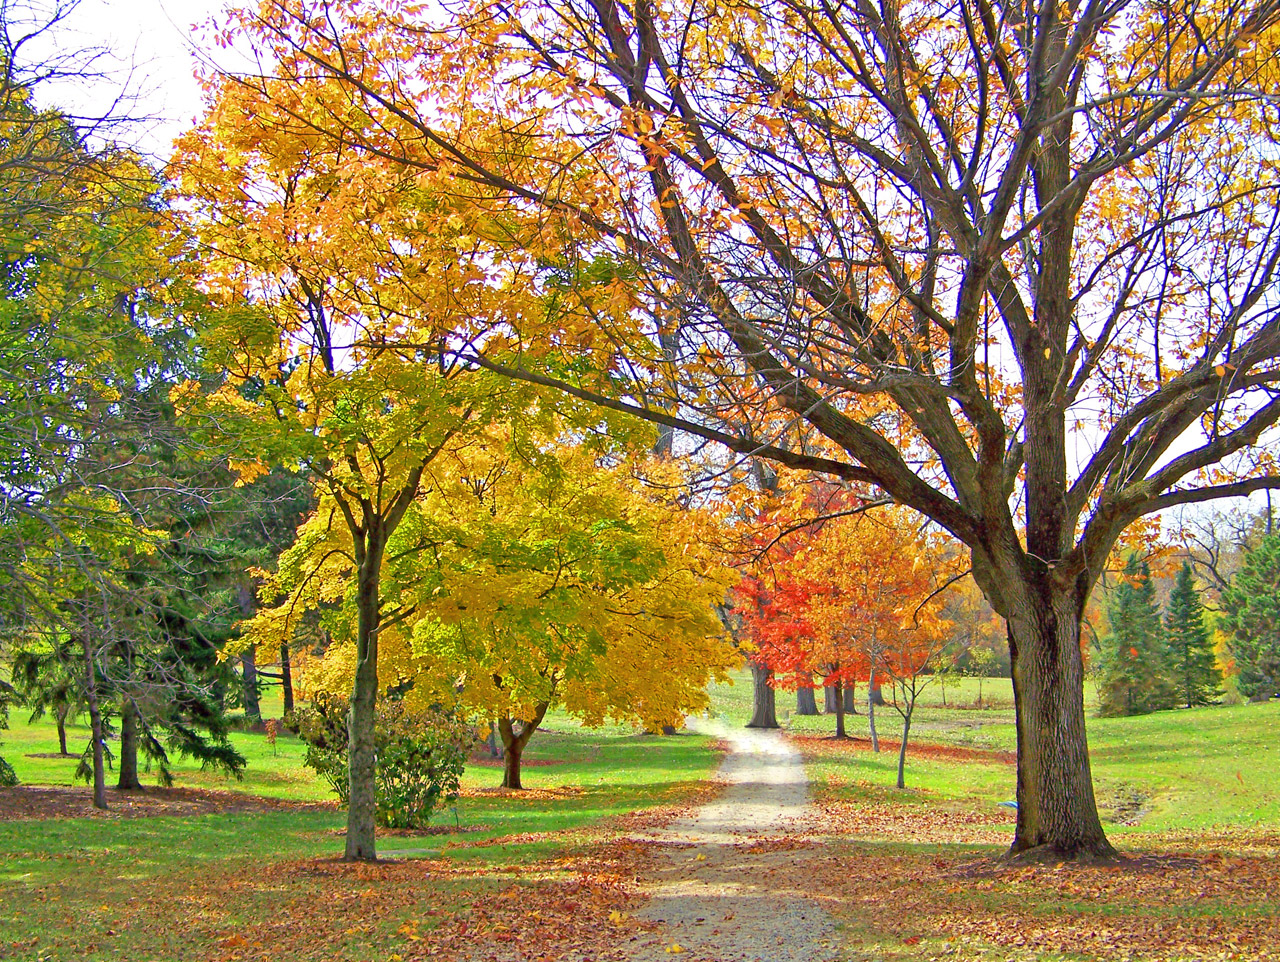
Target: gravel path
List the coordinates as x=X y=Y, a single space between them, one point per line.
x=714 y=893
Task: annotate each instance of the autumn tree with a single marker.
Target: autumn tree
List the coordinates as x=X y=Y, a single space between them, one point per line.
x=532 y=574
x=1002 y=224
x=1195 y=671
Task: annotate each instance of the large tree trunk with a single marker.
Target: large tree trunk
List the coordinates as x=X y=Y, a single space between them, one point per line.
x=95 y=727
x=764 y=712
x=128 y=780
x=362 y=804
x=286 y=677
x=850 y=699
x=806 y=703
x=513 y=744
x=1057 y=812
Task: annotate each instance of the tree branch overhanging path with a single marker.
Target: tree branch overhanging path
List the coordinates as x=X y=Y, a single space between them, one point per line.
x=1016 y=266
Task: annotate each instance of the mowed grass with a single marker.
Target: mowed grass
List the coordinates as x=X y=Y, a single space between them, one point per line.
x=220 y=885
x=1200 y=769
x=1192 y=797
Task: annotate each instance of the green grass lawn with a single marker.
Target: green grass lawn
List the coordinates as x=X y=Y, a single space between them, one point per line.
x=145 y=888
x=1174 y=771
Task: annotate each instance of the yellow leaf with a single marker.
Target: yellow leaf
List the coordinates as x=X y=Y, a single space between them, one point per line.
x=675 y=948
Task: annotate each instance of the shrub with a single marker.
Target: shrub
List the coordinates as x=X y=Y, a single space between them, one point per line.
x=420 y=756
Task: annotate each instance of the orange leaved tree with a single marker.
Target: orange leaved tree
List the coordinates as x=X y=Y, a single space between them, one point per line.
x=1043 y=238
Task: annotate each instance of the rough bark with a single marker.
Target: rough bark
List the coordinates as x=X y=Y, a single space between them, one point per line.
x=1057 y=812
x=850 y=700
x=128 y=779
x=95 y=727
x=513 y=744
x=362 y=716
x=764 y=713
x=806 y=703
x=829 y=700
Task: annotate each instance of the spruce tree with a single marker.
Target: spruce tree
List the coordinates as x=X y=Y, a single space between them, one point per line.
x=1195 y=669
x=1251 y=612
x=1136 y=677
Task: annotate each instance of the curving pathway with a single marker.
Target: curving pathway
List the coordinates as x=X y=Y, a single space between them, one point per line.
x=714 y=893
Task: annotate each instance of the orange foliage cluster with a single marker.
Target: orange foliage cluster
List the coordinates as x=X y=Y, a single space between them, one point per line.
x=847 y=596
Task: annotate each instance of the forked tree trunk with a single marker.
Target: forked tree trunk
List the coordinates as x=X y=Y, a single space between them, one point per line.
x=1057 y=811
x=513 y=744
x=764 y=712
x=806 y=703
x=362 y=717
x=128 y=779
x=95 y=727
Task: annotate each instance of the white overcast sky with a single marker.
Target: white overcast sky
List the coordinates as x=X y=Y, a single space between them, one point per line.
x=152 y=41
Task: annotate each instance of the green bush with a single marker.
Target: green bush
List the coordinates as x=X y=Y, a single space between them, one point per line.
x=420 y=756
x=8 y=777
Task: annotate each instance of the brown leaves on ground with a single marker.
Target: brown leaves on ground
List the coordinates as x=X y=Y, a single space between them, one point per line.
x=1174 y=901
x=818 y=747
x=913 y=824
x=572 y=908
x=55 y=801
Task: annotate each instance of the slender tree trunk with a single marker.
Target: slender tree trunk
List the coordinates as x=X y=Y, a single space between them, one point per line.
x=513 y=744
x=902 y=749
x=806 y=704
x=1057 y=812
x=286 y=677
x=362 y=716
x=128 y=780
x=873 y=690
x=95 y=727
x=249 y=683
x=248 y=660
x=764 y=708
x=839 y=700
x=60 y=716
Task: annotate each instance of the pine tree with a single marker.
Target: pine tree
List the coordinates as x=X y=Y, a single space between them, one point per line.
x=1195 y=669
x=1136 y=675
x=1251 y=612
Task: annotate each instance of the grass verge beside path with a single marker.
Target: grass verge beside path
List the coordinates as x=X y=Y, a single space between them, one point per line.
x=519 y=866
x=1191 y=797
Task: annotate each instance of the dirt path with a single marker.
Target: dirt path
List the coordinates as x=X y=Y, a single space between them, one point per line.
x=719 y=891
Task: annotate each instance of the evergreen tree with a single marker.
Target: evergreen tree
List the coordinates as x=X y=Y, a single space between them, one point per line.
x=1195 y=669
x=1251 y=612
x=1136 y=676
